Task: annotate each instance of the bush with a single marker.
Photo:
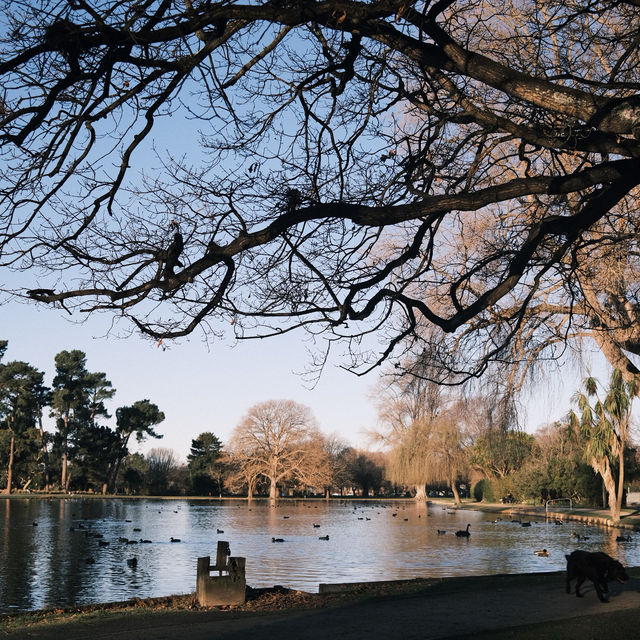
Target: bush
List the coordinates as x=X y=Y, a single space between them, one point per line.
x=478 y=490
x=489 y=489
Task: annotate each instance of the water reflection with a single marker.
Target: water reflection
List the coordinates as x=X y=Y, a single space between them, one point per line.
x=75 y=551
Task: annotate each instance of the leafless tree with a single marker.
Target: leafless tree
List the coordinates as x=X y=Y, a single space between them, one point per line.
x=162 y=463
x=279 y=440
x=367 y=166
x=243 y=474
x=337 y=453
x=431 y=452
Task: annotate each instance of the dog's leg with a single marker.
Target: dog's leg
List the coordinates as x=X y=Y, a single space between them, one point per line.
x=598 y=587
x=579 y=581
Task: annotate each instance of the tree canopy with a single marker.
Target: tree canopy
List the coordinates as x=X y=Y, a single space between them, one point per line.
x=20 y=389
x=366 y=165
x=279 y=440
x=82 y=453
x=205 y=466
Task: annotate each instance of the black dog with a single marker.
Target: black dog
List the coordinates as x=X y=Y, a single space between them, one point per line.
x=597 y=567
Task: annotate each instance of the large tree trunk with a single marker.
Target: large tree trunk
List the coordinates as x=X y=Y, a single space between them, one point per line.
x=45 y=453
x=273 y=492
x=112 y=475
x=10 y=465
x=604 y=469
x=456 y=493
x=421 y=493
x=64 y=481
x=620 y=493
x=112 y=478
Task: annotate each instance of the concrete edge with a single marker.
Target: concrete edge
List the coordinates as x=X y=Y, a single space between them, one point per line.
x=457 y=581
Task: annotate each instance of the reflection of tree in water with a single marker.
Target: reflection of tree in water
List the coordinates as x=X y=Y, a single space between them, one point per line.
x=18 y=553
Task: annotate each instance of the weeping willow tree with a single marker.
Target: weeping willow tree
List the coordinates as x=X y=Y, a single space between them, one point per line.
x=606 y=426
x=448 y=457
x=428 y=452
x=408 y=407
x=409 y=460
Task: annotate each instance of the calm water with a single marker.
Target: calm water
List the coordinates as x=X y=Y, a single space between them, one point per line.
x=51 y=565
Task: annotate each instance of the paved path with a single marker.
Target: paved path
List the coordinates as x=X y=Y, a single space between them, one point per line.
x=457 y=607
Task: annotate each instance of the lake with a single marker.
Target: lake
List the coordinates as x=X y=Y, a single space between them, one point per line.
x=53 y=551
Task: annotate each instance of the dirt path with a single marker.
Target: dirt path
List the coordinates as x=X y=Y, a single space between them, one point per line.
x=452 y=608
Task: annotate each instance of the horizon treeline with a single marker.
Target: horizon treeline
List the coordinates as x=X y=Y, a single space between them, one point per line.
x=437 y=445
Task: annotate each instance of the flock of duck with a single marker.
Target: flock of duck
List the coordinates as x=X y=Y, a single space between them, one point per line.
x=315 y=526
x=544 y=553
x=132 y=562
x=89 y=533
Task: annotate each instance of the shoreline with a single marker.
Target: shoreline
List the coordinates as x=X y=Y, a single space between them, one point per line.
x=467 y=503
x=630 y=517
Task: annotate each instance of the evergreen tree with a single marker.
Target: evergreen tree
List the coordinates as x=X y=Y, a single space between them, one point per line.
x=138 y=419
x=70 y=403
x=20 y=384
x=204 y=465
x=77 y=402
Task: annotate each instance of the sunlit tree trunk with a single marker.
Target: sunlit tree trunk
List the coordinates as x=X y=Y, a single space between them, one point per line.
x=64 y=481
x=273 y=492
x=10 y=465
x=620 y=494
x=421 y=493
x=603 y=467
x=45 y=453
x=456 y=493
